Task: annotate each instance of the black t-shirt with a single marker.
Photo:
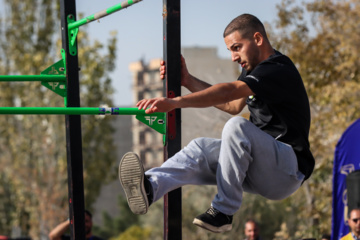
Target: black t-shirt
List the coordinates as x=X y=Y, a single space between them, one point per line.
x=280 y=105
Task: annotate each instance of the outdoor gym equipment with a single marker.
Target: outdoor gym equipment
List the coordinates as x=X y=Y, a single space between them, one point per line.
x=63 y=79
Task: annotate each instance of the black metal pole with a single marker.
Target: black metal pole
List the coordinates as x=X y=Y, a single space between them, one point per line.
x=73 y=129
x=172 y=53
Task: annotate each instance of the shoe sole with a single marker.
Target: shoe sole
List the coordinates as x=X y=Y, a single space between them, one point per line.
x=131 y=176
x=223 y=228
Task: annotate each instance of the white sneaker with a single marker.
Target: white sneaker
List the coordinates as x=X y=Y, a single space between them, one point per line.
x=131 y=175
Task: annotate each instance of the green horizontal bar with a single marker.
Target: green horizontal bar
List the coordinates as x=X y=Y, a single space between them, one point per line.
x=156 y=121
x=42 y=78
x=71 y=111
x=102 y=14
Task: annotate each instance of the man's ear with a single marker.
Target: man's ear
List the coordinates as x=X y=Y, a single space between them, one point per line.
x=258 y=37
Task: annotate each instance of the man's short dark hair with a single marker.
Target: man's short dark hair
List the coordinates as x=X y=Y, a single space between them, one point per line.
x=247 y=25
x=251 y=220
x=357 y=209
x=326 y=236
x=87 y=212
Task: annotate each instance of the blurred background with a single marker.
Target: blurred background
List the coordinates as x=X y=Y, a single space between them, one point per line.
x=119 y=57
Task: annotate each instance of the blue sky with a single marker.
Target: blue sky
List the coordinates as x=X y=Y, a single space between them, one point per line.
x=139 y=30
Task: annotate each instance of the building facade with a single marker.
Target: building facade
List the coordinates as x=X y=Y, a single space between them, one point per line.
x=146 y=83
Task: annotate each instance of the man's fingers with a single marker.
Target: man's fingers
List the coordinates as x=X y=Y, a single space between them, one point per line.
x=162 y=72
x=142 y=104
x=151 y=105
x=151 y=110
x=146 y=104
x=162 y=69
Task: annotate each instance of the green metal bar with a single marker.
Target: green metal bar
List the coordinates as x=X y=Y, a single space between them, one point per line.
x=71 y=111
x=42 y=78
x=156 y=121
x=102 y=14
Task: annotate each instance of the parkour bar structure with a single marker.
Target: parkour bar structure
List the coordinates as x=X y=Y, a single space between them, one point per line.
x=172 y=88
x=63 y=79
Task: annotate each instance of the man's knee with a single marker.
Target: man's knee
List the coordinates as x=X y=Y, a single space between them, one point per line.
x=236 y=123
x=197 y=142
x=204 y=144
x=203 y=147
x=195 y=147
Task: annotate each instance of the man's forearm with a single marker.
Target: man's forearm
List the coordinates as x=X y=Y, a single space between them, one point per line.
x=228 y=97
x=59 y=230
x=196 y=84
x=217 y=94
x=233 y=107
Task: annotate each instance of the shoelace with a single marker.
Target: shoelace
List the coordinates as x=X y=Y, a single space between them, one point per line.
x=212 y=211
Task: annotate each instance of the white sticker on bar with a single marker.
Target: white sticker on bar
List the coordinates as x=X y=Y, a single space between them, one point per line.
x=107 y=111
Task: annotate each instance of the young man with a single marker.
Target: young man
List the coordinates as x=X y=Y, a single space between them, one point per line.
x=58 y=232
x=354 y=225
x=252 y=230
x=267 y=155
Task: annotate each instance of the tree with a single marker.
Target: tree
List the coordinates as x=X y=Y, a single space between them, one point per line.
x=113 y=226
x=134 y=233
x=33 y=153
x=327 y=58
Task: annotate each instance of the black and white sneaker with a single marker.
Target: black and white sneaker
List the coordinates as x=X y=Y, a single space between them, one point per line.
x=132 y=177
x=214 y=220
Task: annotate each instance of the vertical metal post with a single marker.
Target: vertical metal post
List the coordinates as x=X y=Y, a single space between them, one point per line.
x=172 y=53
x=73 y=130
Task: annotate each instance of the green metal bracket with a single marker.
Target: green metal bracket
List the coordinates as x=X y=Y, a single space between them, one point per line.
x=63 y=55
x=72 y=33
x=59 y=87
x=156 y=121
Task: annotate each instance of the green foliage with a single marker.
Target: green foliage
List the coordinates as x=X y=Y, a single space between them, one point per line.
x=327 y=57
x=98 y=149
x=113 y=226
x=33 y=148
x=134 y=233
x=6 y=205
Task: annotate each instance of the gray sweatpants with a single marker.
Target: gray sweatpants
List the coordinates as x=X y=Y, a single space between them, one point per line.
x=244 y=159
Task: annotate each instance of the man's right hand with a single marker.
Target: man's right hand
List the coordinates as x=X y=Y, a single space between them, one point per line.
x=185 y=76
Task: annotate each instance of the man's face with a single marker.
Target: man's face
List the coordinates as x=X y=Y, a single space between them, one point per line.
x=354 y=222
x=251 y=231
x=88 y=224
x=244 y=51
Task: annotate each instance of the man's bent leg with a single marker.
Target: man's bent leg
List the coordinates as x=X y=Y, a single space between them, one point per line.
x=196 y=164
x=251 y=159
